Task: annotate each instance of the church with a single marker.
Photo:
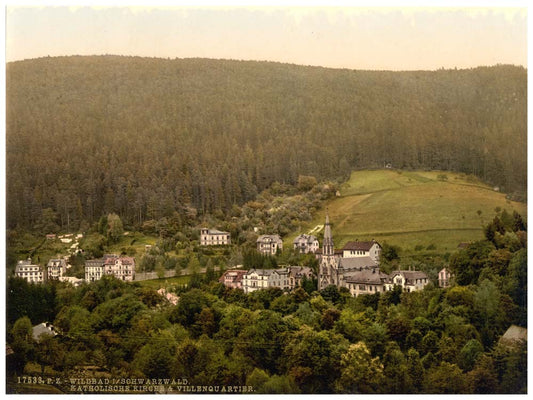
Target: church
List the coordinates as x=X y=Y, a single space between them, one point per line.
x=355 y=266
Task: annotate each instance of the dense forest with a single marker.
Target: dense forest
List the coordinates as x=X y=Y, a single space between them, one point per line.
x=307 y=341
x=148 y=139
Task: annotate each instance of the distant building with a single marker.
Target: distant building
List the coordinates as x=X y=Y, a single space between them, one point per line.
x=30 y=272
x=255 y=279
x=122 y=268
x=44 y=328
x=370 y=249
x=269 y=244
x=56 y=268
x=306 y=244
x=233 y=278
x=286 y=278
x=297 y=274
x=444 y=278
x=94 y=270
x=365 y=281
x=410 y=281
x=212 y=237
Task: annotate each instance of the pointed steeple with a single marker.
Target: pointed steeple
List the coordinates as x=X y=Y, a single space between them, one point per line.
x=328 y=238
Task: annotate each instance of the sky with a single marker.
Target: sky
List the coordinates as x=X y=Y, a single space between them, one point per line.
x=378 y=38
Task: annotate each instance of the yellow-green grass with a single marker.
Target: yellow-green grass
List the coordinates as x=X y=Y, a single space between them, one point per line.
x=410 y=209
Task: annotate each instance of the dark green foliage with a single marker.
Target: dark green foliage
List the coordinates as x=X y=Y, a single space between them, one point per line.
x=201 y=136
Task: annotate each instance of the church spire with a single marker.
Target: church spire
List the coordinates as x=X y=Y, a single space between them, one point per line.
x=328 y=238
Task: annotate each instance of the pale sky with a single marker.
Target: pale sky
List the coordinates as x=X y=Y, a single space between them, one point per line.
x=379 y=38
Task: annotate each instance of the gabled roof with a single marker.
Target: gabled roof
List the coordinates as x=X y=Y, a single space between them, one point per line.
x=360 y=246
x=409 y=276
x=236 y=274
x=269 y=238
x=303 y=238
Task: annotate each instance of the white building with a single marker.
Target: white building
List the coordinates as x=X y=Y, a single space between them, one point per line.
x=306 y=244
x=365 y=281
x=444 y=278
x=410 y=281
x=122 y=268
x=56 y=268
x=370 y=249
x=212 y=237
x=31 y=272
x=269 y=244
x=94 y=270
x=255 y=279
x=286 y=278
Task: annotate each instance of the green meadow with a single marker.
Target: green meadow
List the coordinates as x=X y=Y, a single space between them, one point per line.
x=412 y=209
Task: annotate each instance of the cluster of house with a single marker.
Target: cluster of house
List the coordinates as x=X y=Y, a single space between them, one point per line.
x=34 y=273
x=122 y=268
x=354 y=267
x=287 y=278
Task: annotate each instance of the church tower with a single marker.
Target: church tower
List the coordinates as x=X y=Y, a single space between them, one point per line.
x=328 y=266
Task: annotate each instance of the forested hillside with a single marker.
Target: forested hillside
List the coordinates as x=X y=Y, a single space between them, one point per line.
x=153 y=138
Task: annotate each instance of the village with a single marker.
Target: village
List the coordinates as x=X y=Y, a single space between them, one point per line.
x=356 y=266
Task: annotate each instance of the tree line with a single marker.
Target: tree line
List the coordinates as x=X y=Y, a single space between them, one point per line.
x=148 y=138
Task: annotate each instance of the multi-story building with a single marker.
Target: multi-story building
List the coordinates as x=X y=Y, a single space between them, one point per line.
x=213 y=237
x=306 y=244
x=287 y=278
x=56 y=268
x=366 y=281
x=32 y=273
x=94 y=270
x=410 y=281
x=297 y=274
x=122 y=268
x=269 y=244
x=355 y=249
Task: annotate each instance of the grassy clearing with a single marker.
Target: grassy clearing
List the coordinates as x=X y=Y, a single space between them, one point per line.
x=412 y=209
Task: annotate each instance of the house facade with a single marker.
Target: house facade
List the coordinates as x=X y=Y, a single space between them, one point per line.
x=213 y=237
x=122 y=268
x=56 y=268
x=32 y=273
x=444 y=278
x=365 y=281
x=304 y=244
x=255 y=279
x=287 y=278
x=269 y=244
x=355 y=249
x=410 y=281
x=94 y=270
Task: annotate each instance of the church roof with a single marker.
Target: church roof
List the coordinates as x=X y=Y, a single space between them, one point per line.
x=361 y=246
